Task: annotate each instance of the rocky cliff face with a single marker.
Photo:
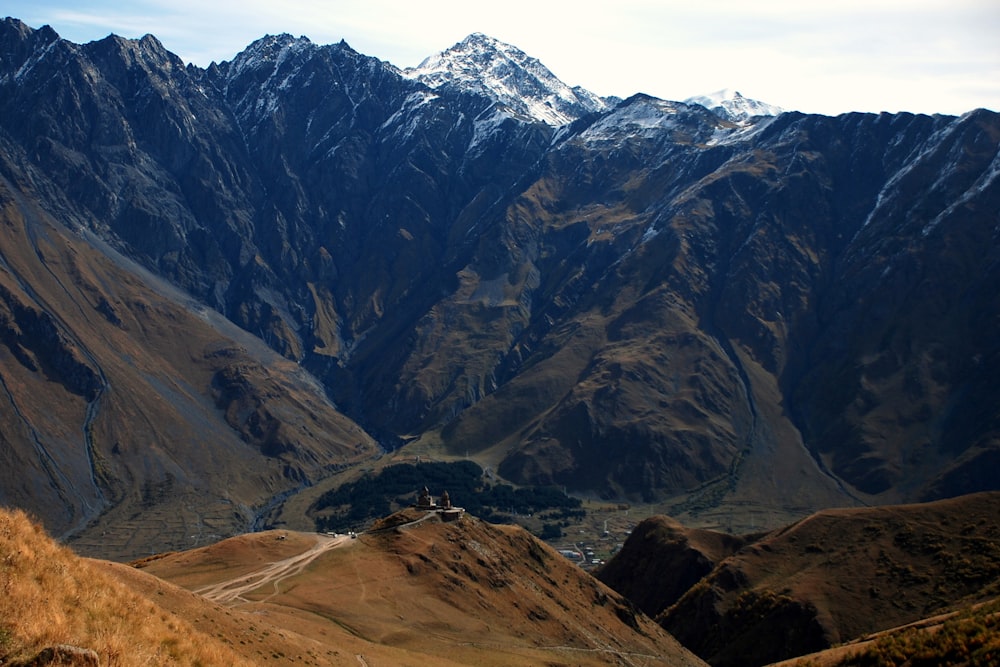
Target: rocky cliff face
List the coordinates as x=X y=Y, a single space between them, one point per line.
x=648 y=302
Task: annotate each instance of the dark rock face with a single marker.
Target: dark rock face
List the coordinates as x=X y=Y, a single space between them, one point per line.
x=36 y=342
x=645 y=302
x=759 y=630
x=64 y=654
x=897 y=362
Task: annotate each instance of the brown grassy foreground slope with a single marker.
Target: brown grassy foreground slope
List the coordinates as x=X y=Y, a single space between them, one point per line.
x=458 y=593
x=463 y=593
x=50 y=596
x=968 y=638
x=839 y=575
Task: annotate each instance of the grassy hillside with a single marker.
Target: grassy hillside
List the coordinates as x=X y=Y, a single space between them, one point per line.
x=132 y=419
x=416 y=591
x=839 y=575
x=50 y=596
x=969 y=638
x=425 y=592
x=660 y=545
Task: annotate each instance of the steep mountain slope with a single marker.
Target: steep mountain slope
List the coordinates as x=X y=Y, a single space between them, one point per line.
x=650 y=302
x=679 y=311
x=132 y=415
x=464 y=592
x=896 y=389
x=836 y=576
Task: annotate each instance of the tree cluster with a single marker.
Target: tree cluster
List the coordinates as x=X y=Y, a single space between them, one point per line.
x=378 y=494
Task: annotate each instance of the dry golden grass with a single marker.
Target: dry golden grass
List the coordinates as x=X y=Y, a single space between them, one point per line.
x=968 y=638
x=459 y=593
x=48 y=596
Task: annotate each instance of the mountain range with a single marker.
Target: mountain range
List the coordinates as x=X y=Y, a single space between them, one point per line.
x=222 y=285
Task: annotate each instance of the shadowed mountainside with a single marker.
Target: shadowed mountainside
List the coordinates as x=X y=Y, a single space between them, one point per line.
x=662 y=560
x=830 y=578
x=133 y=416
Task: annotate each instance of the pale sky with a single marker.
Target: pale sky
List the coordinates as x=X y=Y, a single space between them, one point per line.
x=926 y=56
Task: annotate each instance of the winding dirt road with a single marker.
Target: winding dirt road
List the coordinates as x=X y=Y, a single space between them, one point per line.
x=228 y=591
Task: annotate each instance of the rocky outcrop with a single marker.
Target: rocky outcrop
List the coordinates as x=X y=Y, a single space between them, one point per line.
x=37 y=343
x=64 y=654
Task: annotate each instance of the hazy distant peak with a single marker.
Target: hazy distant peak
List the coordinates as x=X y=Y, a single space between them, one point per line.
x=732 y=105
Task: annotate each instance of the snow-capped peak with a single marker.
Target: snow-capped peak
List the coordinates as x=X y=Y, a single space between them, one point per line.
x=506 y=74
x=731 y=105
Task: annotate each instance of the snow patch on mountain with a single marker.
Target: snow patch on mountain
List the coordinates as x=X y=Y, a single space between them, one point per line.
x=731 y=105
x=270 y=51
x=985 y=181
x=29 y=64
x=741 y=132
x=269 y=56
x=639 y=116
x=487 y=66
x=409 y=119
x=890 y=194
x=487 y=126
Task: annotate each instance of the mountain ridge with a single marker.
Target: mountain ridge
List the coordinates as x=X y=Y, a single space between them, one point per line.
x=483 y=64
x=416 y=587
x=650 y=303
